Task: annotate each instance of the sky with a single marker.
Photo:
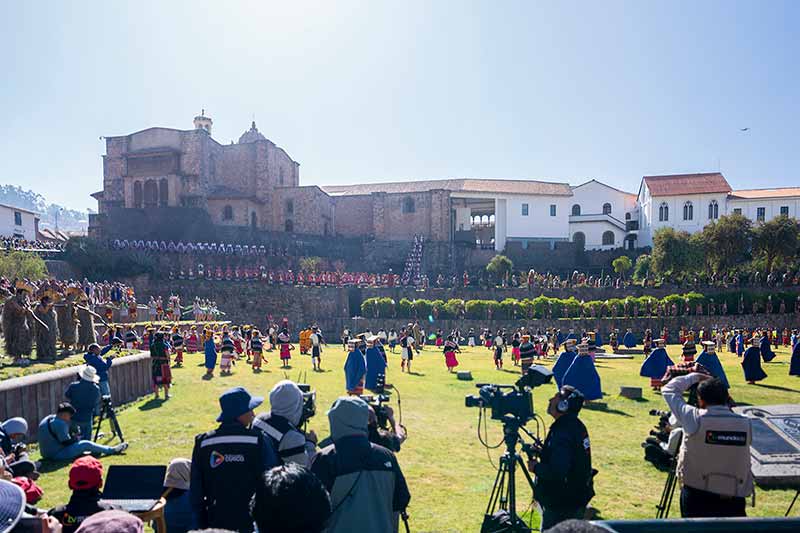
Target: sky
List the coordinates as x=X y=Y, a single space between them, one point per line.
x=368 y=91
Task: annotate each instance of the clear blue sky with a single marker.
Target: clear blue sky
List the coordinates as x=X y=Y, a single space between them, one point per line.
x=378 y=91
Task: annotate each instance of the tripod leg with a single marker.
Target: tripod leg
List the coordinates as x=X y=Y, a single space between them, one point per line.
x=789 y=510
x=99 y=422
x=497 y=489
x=115 y=424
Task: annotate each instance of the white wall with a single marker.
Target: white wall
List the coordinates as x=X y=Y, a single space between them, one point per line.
x=8 y=227
x=650 y=213
x=463 y=215
x=500 y=225
x=538 y=224
x=593 y=232
x=592 y=195
x=772 y=207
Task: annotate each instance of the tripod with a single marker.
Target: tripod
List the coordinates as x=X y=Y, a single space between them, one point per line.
x=504 y=492
x=667 y=494
x=107 y=411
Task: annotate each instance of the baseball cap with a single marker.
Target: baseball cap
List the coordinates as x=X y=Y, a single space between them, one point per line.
x=86 y=473
x=235 y=402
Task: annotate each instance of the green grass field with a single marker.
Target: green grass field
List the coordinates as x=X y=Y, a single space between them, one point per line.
x=449 y=472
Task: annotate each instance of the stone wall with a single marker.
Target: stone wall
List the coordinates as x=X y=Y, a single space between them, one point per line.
x=353 y=216
x=36 y=396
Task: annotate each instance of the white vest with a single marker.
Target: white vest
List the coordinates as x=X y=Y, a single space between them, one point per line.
x=716 y=458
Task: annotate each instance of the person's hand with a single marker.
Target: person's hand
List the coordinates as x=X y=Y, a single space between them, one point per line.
x=50 y=524
x=532 y=463
x=311 y=436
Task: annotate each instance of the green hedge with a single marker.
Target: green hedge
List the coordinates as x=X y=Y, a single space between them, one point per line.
x=541 y=306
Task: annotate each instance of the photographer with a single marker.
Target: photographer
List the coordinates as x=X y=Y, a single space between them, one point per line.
x=281 y=424
x=84 y=395
x=563 y=484
x=57 y=443
x=390 y=434
x=714 y=459
x=94 y=358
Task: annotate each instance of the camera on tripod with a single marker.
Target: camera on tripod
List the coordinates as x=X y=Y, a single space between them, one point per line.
x=515 y=400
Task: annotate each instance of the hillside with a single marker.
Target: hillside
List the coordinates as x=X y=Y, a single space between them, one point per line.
x=68 y=219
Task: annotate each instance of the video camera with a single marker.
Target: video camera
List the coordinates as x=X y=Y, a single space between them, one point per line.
x=517 y=400
x=309 y=402
x=376 y=402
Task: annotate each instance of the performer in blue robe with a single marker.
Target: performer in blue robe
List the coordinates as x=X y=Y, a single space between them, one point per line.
x=739 y=344
x=560 y=338
x=376 y=365
x=732 y=344
x=766 y=350
x=583 y=375
x=751 y=363
x=794 y=366
x=355 y=368
x=655 y=366
x=564 y=361
x=598 y=340
x=708 y=358
x=629 y=340
x=571 y=335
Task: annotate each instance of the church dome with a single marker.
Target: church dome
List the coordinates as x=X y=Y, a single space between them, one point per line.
x=252 y=135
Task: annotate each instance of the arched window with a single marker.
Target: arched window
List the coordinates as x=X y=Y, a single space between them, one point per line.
x=579 y=239
x=408 y=205
x=491 y=220
x=289 y=225
x=608 y=238
x=137 y=194
x=606 y=208
x=663 y=212
x=163 y=192
x=150 y=193
x=253 y=220
x=713 y=210
x=227 y=213
x=627 y=216
x=688 y=211
x=576 y=210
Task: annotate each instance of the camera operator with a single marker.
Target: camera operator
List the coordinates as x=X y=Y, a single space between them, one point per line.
x=281 y=425
x=563 y=484
x=661 y=447
x=714 y=459
x=391 y=435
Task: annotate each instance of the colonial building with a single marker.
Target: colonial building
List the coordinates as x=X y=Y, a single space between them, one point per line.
x=171 y=184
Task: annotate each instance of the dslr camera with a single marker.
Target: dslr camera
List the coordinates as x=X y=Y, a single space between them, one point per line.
x=376 y=402
x=309 y=402
x=515 y=400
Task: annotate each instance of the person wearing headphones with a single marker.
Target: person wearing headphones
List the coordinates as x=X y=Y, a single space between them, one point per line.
x=563 y=485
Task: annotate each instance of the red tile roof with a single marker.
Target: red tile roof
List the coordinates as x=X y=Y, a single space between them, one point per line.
x=487 y=186
x=682 y=184
x=766 y=193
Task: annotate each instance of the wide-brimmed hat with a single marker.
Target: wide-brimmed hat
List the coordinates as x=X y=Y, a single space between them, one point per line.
x=89 y=373
x=178 y=474
x=12 y=505
x=235 y=402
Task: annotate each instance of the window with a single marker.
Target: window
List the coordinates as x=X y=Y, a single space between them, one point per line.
x=688 y=211
x=253 y=220
x=289 y=207
x=408 y=205
x=713 y=210
x=227 y=213
x=627 y=216
x=17 y=218
x=608 y=238
x=524 y=210
x=737 y=210
x=606 y=208
x=289 y=226
x=761 y=214
x=579 y=239
x=663 y=212
x=576 y=210
x=150 y=193
x=552 y=210
x=785 y=210
x=137 y=194
x=163 y=193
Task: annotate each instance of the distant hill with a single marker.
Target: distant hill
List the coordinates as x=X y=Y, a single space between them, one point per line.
x=68 y=219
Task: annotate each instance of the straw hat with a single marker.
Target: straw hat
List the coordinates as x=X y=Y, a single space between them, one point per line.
x=89 y=373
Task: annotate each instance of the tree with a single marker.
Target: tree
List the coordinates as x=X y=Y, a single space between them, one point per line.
x=22 y=265
x=642 y=267
x=675 y=252
x=727 y=242
x=621 y=265
x=776 y=239
x=500 y=266
x=310 y=264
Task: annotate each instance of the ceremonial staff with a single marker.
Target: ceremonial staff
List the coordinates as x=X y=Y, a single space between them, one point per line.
x=78 y=306
x=39 y=320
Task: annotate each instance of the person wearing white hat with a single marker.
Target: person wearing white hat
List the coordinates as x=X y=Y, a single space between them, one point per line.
x=84 y=395
x=178 y=508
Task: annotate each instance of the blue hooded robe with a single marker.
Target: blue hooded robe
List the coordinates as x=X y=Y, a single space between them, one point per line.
x=598 y=340
x=794 y=366
x=583 y=375
x=210 y=352
x=571 y=335
x=562 y=365
x=629 y=340
x=711 y=362
x=560 y=338
x=739 y=344
x=751 y=364
x=766 y=350
x=655 y=366
x=354 y=369
x=376 y=366
x=732 y=344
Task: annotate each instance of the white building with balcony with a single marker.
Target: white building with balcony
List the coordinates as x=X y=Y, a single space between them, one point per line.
x=601 y=216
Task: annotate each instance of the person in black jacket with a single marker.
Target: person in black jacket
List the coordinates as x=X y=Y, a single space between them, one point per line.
x=85 y=481
x=563 y=485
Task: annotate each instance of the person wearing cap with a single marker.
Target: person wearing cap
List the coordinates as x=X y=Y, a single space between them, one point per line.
x=227 y=464
x=366 y=486
x=281 y=425
x=209 y=353
x=227 y=350
x=564 y=476
x=94 y=358
x=178 y=507
x=84 y=395
x=317 y=341
x=656 y=364
x=13 y=449
x=714 y=458
x=286 y=347
x=85 y=482
x=57 y=443
x=527 y=351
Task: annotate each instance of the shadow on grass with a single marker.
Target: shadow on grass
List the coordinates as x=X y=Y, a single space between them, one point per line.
x=415 y=373
x=604 y=408
x=152 y=403
x=775 y=387
x=49 y=465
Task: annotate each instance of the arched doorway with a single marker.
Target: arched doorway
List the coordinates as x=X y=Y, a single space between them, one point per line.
x=579 y=239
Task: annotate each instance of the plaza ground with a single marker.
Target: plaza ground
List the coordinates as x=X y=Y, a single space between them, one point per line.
x=449 y=473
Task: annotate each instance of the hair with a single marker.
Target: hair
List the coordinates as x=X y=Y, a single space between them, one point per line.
x=713 y=392
x=281 y=490
x=576 y=526
x=65 y=407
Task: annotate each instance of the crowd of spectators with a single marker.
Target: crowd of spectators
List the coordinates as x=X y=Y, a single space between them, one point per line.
x=9 y=244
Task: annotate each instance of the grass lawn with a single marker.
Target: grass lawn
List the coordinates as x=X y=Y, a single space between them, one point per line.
x=449 y=472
